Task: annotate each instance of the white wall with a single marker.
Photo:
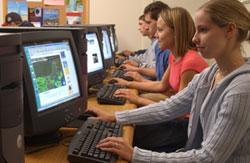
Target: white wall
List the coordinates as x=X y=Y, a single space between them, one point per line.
x=123 y=13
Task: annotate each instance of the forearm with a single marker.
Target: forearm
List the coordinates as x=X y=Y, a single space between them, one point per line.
x=150 y=72
x=144 y=101
x=149 y=86
x=158 y=112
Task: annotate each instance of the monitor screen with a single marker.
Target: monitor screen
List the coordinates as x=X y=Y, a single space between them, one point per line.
x=107 y=50
x=95 y=61
x=53 y=73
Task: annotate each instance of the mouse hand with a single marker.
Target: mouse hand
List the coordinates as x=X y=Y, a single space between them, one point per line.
x=100 y=114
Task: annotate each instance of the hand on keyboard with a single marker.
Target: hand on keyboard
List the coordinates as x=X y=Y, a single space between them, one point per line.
x=117 y=145
x=83 y=145
x=130 y=95
x=106 y=95
x=121 y=82
x=102 y=115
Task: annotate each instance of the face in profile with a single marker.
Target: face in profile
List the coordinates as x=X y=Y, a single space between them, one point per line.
x=151 y=25
x=143 y=27
x=210 y=39
x=165 y=35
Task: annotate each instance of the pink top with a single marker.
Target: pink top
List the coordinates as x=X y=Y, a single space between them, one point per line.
x=191 y=61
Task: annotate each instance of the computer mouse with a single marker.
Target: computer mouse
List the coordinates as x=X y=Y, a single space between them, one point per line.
x=86 y=115
x=112 y=81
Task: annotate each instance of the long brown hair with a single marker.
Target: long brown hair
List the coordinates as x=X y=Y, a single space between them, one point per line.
x=182 y=24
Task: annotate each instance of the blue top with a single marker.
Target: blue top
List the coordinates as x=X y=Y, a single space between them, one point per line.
x=161 y=61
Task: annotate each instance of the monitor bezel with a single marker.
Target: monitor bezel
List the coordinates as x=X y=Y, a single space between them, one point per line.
x=98 y=76
x=37 y=123
x=109 y=61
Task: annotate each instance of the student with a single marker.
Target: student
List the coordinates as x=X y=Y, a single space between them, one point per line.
x=145 y=63
x=142 y=27
x=175 y=29
x=12 y=19
x=218 y=98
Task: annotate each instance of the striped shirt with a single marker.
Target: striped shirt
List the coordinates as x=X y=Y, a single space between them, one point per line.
x=224 y=113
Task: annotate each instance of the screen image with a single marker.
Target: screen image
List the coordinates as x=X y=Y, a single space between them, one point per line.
x=107 y=51
x=94 y=53
x=53 y=73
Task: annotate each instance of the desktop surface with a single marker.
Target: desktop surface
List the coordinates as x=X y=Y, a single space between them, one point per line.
x=58 y=152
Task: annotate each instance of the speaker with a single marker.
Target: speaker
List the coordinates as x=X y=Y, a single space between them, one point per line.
x=11 y=100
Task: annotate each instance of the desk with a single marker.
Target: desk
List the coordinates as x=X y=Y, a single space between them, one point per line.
x=58 y=153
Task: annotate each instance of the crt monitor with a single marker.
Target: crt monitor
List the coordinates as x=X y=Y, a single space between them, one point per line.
x=53 y=93
x=79 y=39
x=96 y=69
x=113 y=37
x=107 y=48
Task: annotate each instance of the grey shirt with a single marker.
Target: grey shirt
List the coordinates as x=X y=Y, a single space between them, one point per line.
x=224 y=112
x=147 y=59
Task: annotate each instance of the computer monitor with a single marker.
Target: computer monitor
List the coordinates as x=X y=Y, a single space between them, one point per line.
x=113 y=37
x=80 y=42
x=96 y=70
x=106 y=48
x=53 y=90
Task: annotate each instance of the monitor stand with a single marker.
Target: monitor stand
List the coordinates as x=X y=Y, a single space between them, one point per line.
x=37 y=143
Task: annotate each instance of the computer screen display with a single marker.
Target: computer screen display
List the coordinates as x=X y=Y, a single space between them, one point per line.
x=52 y=72
x=95 y=61
x=107 y=49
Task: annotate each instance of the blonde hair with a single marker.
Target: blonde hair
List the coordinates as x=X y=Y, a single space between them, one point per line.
x=182 y=24
x=223 y=12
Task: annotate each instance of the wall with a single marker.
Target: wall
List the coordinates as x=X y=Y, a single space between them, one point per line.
x=1 y=11
x=125 y=15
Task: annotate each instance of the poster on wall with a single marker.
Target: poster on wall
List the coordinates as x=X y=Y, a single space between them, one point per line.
x=35 y=16
x=73 y=18
x=18 y=6
x=54 y=2
x=74 y=11
x=50 y=17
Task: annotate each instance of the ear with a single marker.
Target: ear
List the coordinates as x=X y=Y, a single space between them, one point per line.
x=231 y=30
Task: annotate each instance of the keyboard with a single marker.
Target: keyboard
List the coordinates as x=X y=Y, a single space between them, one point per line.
x=106 y=95
x=120 y=74
x=82 y=148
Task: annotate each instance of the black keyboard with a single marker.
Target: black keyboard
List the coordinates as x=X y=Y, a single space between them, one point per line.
x=82 y=148
x=120 y=74
x=106 y=95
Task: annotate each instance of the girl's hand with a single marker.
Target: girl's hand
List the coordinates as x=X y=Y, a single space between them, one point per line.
x=117 y=145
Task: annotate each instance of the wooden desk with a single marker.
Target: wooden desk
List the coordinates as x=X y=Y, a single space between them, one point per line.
x=58 y=153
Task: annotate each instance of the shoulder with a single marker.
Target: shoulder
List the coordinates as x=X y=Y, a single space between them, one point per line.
x=193 y=61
